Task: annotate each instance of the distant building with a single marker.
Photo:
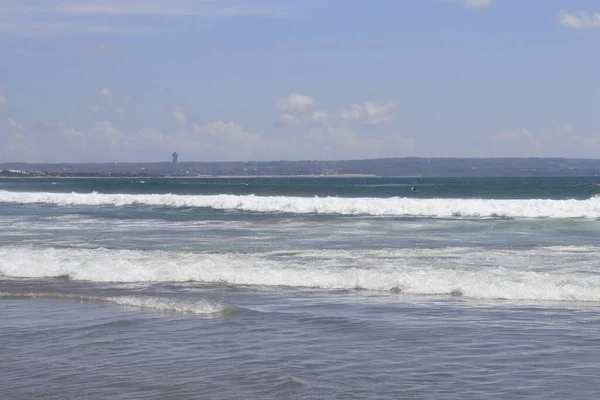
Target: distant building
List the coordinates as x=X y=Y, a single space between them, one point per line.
x=175 y=156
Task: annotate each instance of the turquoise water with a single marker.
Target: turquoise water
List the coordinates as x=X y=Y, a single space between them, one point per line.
x=300 y=288
x=492 y=188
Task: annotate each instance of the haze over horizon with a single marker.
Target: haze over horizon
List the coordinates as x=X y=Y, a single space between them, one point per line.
x=262 y=80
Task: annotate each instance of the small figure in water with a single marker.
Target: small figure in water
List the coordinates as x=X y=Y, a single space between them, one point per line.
x=414 y=188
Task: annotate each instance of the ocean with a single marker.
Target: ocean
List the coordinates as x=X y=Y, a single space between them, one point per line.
x=300 y=288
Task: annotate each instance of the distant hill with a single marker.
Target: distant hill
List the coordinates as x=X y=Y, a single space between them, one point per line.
x=386 y=167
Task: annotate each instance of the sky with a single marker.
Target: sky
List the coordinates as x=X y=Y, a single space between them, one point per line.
x=263 y=80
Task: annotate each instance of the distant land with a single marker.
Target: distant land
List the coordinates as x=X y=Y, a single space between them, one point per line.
x=383 y=167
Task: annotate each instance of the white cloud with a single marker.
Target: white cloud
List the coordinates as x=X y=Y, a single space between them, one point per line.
x=231 y=141
x=109 y=94
x=16 y=147
x=215 y=141
x=101 y=138
x=14 y=125
x=378 y=113
x=593 y=142
x=297 y=109
x=96 y=109
x=318 y=134
x=332 y=134
x=473 y=3
x=2 y=99
x=370 y=113
x=559 y=141
x=579 y=19
x=328 y=143
x=60 y=142
x=516 y=143
x=322 y=118
x=294 y=104
x=105 y=93
x=178 y=115
x=105 y=142
x=287 y=119
x=562 y=141
x=354 y=113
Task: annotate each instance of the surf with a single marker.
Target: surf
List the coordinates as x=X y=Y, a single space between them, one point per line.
x=554 y=273
x=363 y=206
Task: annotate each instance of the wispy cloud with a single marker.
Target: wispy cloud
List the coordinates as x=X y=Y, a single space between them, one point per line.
x=25 y=27
x=219 y=8
x=14 y=125
x=2 y=99
x=110 y=95
x=178 y=115
x=478 y=3
x=579 y=19
x=96 y=109
x=122 y=7
x=472 y=3
x=71 y=18
x=100 y=48
x=294 y=103
x=559 y=141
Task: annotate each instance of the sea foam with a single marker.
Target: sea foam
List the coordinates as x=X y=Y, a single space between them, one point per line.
x=395 y=206
x=539 y=273
x=183 y=306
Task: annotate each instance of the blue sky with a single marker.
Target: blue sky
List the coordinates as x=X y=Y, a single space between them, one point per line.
x=135 y=80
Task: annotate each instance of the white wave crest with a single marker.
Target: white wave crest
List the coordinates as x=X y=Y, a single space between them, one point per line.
x=543 y=273
x=395 y=206
x=169 y=305
x=182 y=306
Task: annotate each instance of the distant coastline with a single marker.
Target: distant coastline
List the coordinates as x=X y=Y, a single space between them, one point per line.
x=29 y=176
x=383 y=167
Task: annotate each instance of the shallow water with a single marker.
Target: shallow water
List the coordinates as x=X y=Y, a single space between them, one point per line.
x=255 y=288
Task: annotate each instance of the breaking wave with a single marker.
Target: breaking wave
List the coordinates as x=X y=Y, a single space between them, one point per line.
x=395 y=206
x=557 y=273
x=182 y=306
